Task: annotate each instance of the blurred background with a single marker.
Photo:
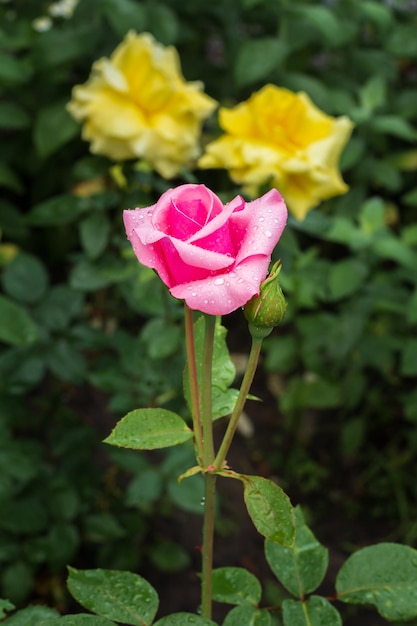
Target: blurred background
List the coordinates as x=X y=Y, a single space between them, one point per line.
x=86 y=334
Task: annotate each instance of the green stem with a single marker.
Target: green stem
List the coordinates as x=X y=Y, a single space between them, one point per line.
x=240 y=403
x=206 y=390
x=192 y=377
x=208 y=459
x=207 y=549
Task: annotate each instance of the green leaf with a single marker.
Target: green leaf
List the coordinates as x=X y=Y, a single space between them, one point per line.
x=335 y=31
x=94 y=234
x=68 y=44
x=384 y=575
x=60 y=305
x=346 y=277
x=144 y=488
x=187 y=495
x=124 y=15
x=372 y=215
x=102 y=527
x=301 y=567
x=87 y=276
x=13 y=117
x=168 y=556
x=149 y=429
x=163 y=22
x=257 y=58
x=270 y=509
x=389 y=247
x=58 y=210
x=122 y=596
x=162 y=339
x=16 y=326
x=5 y=605
x=183 y=619
x=13 y=70
x=235 y=585
x=373 y=94
x=411 y=311
x=17 y=581
x=34 y=616
x=248 y=615
x=223 y=373
x=410 y=198
x=394 y=125
x=62 y=543
x=314 y=392
x=9 y=179
x=409 y=358
x=402 y=41
x=317 y=611
x=25 y=278
x=54 y=127
x=376 y=12
x=78 y=620
x=65 y=361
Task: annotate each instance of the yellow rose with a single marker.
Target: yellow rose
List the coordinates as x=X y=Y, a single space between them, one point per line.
x=281 y=138
x=138 y=105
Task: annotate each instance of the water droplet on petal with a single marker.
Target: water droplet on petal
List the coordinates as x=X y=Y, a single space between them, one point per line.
x=268 y=233
x=219 y=281
x=261 y=219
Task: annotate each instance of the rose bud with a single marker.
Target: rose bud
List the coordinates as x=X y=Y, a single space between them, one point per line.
x=266 y=310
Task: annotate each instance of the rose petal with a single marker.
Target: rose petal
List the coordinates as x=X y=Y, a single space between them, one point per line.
x=224 y=293
x=259 y=226
x=214 y=224
x=195 y=200
x=198 y=257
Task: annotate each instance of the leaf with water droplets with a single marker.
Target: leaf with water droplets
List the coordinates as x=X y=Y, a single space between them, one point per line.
x=121 y=596
x=77 y=620
x=33 y=616
x=300 y=568
x=270 y=509
x=384 y=575
x=317 y=611
x=248 y=615
x=184 y=619
x=149 y=429
x=235 y=585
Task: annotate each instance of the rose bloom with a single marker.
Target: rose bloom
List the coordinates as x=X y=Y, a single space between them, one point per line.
x=137 y=105
x=211 y=255
x=281 y=138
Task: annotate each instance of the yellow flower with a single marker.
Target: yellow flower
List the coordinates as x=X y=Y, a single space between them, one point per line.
x=281 y=138
x=138 y=105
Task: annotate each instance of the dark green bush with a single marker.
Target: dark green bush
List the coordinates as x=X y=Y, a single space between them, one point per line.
x=80 y=319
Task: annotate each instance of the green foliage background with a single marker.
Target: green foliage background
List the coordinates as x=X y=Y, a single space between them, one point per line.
x=79 y=319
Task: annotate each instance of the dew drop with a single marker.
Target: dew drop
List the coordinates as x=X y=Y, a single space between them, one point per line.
x=205 y=301
x=219 y=281
x=240 y=280
x=268 y=233
x=193 y=294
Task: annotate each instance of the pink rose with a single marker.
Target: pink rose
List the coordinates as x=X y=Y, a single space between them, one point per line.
x=211 y=255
